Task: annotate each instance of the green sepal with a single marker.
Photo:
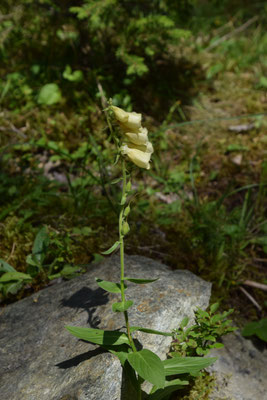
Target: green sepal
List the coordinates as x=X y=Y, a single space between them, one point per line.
x=122 y=306
x=147 y=330
x=99 y=336
x=125 y=228
x=111 y=287
x=111 y=249
x=123 y=200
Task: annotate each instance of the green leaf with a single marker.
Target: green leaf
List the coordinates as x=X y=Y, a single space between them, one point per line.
x=40 y=244
x=12 y=287
x=15 y=276
x=217 y=346
x=99 y=336
x=214 y=307
x=109 y=286
x=111 y=249
x=170 y=387
x=258 y=328
x=152 y=331
x=184 y=322
x=122 y=306
x=140 y=281
x=49 y=94
x=75 y=76
x=5 y=267
x=184 y=365
x=149 y=366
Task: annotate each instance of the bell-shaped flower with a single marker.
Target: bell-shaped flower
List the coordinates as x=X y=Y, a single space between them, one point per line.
x=129 y=121
x=137 y=138
x=138 y=157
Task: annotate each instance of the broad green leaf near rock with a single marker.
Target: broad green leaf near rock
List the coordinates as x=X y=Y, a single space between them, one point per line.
x=170 y=387
x=184 y=365
x=140 y=280
x=122 y=306
x=111 y=287
x=99 y=336
x=147 y=330
x=149 y=366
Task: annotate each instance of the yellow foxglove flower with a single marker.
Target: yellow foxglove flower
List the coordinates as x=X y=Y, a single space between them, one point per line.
x=138 y=157
x=137 y=138
x=146 y=148
x=129 y=121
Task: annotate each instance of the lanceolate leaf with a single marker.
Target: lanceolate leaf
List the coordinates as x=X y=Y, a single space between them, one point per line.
x=111 y=287
x=99 y=336
x=140 y=281
x=183 y=365
x=147 y=330
x=14 y=276
x=5 y=267
x=170 y=387
x=122 y=306
x=149 y=366
x=111 y=249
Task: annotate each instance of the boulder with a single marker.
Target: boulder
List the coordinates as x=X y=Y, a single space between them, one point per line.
x=240 y=370
x=40 y=360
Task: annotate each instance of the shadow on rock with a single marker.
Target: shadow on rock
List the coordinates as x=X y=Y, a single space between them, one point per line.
x=88 y=300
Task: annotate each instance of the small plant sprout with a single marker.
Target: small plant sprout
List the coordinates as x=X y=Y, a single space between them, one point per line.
x=133 y=145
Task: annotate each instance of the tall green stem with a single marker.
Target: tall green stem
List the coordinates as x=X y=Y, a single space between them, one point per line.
x=121 y=220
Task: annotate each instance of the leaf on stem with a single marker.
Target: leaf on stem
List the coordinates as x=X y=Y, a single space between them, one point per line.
x=111 y=249
x=140 y=281
x=149 y=366
x=170 y=387
x=184 y=365
x=147 y=330
x=14 y=276
x=111 y=287
x=99 y=336
x=122 y=306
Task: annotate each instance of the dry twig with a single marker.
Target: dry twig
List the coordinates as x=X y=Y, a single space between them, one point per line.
x=256 y=304
x=234 y=32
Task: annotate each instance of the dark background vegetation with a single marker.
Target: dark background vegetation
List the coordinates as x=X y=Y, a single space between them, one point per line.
x=197 y=71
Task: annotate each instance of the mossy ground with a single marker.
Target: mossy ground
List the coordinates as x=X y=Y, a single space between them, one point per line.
x=201 y=155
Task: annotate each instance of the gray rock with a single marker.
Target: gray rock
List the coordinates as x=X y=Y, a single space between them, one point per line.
x=40 y=360
x=240 y=370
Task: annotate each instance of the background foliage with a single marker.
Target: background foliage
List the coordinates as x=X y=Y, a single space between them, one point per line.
x=197 y=70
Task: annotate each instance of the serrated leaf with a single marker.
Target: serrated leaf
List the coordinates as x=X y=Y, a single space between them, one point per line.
x=99 y=336
x=5 y=267
x=147 y=330
x=214 y=307
x=111 y=249
x=149 y=366
x=184 y=365
x=122 y=306
x=111 y=287
x=140 y=281
x=15 y=276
